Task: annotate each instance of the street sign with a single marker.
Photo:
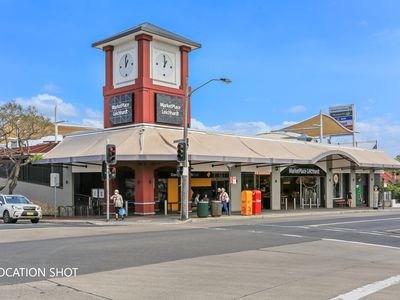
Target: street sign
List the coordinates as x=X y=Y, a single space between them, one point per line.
x=101 y=193
x=54 y=179
x=95 y=193
x=344 y=114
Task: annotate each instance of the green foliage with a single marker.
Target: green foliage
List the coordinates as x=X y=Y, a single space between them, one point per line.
x=394 y=188
x=19 y=125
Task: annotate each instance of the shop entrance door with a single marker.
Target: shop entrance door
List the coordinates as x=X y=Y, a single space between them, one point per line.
x=310 y=190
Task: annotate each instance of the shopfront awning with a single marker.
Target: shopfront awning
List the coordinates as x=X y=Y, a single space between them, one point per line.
x=145 y=142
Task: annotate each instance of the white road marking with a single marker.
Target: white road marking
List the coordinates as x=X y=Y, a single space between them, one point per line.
x=255 y=231
x=361 y=243
x=369 y=289
x=293 y=235
x=284 y=226
x=350 y=222
x=218 y=228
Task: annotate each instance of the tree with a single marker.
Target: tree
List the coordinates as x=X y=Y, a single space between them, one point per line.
x=397 y=157
x=18 y=126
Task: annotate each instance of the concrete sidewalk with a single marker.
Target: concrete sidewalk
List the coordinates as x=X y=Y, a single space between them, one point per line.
x=174 y=218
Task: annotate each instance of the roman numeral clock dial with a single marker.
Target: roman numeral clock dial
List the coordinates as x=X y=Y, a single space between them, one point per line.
x=126 y=65
x=164 y=66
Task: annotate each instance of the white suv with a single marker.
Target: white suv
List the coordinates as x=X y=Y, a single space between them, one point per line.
x=16 y=207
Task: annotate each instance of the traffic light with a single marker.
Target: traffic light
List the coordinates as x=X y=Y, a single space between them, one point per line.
x=104 y=171
x=111 y=154
x=181 y=151
x=113 y=173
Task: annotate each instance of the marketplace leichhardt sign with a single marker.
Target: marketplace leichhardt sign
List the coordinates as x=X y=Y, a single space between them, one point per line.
x=303 y=170
x=121 y=109
x=169 y=109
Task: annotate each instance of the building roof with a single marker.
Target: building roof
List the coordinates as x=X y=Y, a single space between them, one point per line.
x=33 y=150
x=150 y=29
x=311 y=127
x=153 y=142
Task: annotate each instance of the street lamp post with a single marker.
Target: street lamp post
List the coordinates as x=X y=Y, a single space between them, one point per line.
x=185 y=171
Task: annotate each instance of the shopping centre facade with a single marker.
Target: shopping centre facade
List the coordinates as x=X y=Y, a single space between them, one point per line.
x=146 y=71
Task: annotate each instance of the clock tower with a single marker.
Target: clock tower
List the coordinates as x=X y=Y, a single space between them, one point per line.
x=146 y=71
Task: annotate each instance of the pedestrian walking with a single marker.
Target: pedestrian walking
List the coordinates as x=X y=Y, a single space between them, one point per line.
x=349 y=199
x=376 y=197
x=118 y=204
x=224 y=198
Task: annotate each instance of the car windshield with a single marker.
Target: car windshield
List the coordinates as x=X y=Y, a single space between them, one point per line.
x=16 y=200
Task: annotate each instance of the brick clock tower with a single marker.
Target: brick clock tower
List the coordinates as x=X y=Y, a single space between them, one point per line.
x=146 y=72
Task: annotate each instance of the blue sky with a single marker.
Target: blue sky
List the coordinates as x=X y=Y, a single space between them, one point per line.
x=287 y=59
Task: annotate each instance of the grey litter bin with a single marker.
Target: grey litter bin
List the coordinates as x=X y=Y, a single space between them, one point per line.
x=216 y=208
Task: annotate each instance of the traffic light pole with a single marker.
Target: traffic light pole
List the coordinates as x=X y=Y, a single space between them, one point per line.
x=108 y=185
x=185 y=171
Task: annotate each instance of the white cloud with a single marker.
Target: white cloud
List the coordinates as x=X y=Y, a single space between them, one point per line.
x=93 y=118
x=92 y=123
x=363 y=23
x=246 y=128
x=50 y=87
x=297 y=109
x=45 y=104
x=388 y=35
x=383 y=129
x=76 y=115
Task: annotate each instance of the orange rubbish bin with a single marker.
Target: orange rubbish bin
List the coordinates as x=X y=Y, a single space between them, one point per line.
x=247 y=205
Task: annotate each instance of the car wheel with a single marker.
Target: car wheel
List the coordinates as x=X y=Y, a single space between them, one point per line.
x=6 y=217
x=35 y=221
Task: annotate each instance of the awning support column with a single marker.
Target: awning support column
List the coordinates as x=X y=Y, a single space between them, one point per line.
x=353 y=187
x=371 y=183
x=236 y=189
x=329 y=185
x=276 y=188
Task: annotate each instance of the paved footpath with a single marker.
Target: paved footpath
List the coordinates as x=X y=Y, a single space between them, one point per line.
x=349 y=256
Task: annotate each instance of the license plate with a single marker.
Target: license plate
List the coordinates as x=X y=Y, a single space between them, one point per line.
x=29 y=213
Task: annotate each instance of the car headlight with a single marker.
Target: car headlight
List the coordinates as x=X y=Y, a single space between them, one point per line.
x=16 y=207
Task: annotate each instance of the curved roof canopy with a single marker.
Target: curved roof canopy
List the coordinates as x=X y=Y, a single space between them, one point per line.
x=311 y=127
x=156 y=143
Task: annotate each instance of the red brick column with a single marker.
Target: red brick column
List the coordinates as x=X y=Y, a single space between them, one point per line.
x=144 y=190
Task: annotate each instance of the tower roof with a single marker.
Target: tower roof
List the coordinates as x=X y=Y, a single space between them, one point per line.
x=149 y=29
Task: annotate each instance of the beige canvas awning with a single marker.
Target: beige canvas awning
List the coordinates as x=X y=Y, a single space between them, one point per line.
x=152 y=142
x=311 y=127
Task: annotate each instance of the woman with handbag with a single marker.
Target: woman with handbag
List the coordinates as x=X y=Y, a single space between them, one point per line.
x=224 y=198
x=118 y=204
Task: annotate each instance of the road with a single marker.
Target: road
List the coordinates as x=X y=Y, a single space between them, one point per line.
x=302 y=258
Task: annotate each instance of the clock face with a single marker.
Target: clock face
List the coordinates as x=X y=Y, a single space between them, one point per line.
x=126 y=65
x=164 y=65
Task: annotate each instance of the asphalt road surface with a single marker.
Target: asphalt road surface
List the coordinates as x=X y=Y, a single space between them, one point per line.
x=111 y=252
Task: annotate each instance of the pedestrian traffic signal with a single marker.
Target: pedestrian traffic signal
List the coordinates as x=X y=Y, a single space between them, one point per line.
x=181 y=152
x=104 y=171
x=113 y=173
x=111 y=154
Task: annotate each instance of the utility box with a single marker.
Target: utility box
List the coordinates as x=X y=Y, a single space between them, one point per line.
x=247 y=203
